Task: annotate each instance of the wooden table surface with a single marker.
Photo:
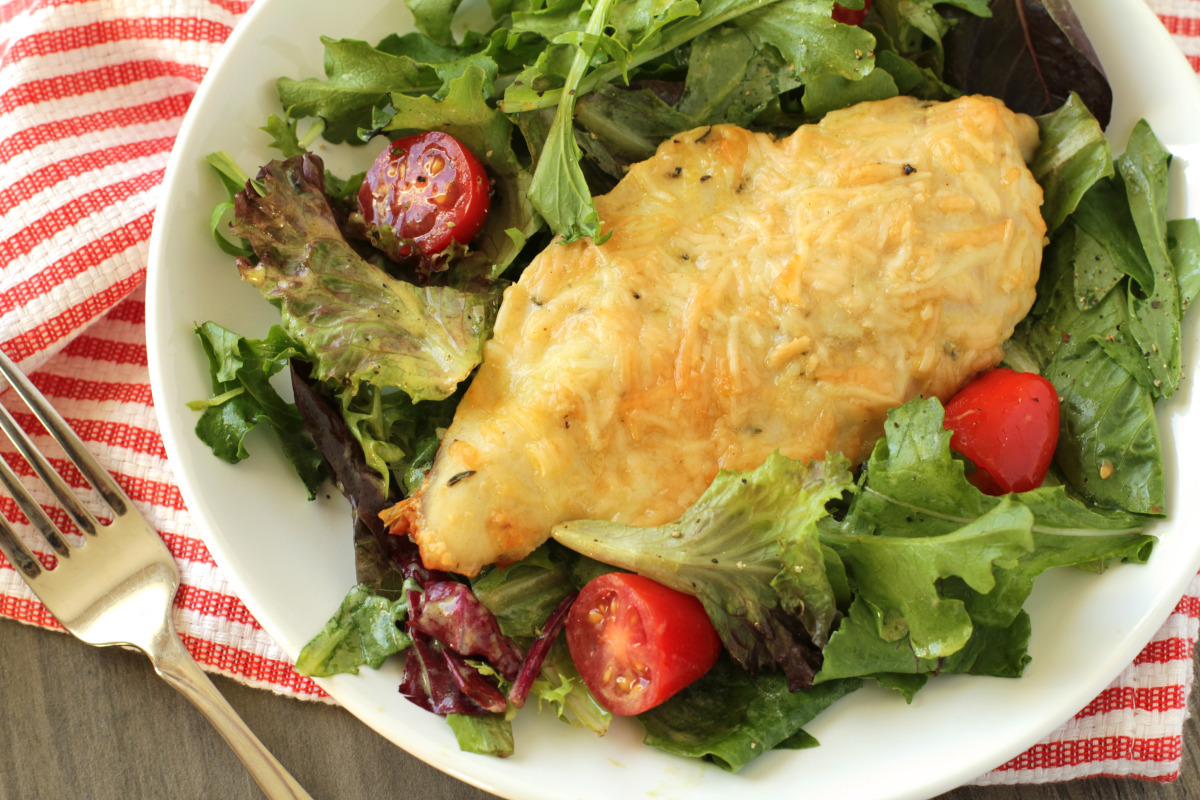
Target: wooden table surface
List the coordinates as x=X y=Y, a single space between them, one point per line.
x=81 y=723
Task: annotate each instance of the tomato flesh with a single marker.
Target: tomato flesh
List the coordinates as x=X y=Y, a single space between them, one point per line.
x=636 y=642
x=851 y=16
x=422 y=193
x=1006 y=423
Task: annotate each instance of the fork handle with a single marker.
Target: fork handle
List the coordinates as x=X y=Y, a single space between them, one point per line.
x=176 y=666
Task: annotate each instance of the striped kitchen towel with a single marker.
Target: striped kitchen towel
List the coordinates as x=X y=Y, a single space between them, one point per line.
x=92 y=93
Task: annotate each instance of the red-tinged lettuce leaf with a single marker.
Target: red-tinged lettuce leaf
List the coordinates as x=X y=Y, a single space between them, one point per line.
x=450 y=612
x=1022 y=56
x=363 y=487
x=382 y=561
x=538 y=651
x=356 y=322
x=439 y=680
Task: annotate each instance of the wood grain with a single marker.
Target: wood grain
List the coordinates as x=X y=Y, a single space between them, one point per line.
x=79 y=722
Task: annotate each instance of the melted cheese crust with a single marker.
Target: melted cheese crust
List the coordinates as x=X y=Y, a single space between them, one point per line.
x=756 y=294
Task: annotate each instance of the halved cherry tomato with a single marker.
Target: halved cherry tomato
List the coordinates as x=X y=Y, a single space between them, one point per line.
x=1006 y=422
x=851 y=16
x=637 y=642
x=422 y=193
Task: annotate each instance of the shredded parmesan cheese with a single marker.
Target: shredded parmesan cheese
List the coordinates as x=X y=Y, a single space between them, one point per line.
x=755 y=295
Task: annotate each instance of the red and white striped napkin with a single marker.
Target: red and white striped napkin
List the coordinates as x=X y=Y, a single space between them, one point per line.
x=92 y=93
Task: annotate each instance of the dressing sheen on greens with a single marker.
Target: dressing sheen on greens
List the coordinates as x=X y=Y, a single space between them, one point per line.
x=816 y=576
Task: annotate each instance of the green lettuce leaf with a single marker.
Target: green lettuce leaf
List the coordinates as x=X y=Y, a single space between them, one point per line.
x=1106 y=328
x=858 y=651
x=936 y=561
x=811 y=42
x=899 y=577
x=731 y=78
x=433 y=18
x=485 y=735
x=1183 y=241
x=560 y=687
x=524 y=594
x=730 y=718
x=243 y=397
x=748 y=550
x=365 y=630
x=394 y=432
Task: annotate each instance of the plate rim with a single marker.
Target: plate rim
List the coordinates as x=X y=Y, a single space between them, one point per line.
x=158 y=359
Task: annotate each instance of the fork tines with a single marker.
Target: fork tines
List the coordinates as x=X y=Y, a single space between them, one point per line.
x=10 y=544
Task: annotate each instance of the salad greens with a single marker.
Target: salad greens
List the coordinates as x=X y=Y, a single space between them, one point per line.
x=360 y=324
x=816 y=576
x=242 y=397
x=748 y=549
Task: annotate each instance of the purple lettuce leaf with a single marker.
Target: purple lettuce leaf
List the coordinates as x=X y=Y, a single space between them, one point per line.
x=442 y=682
x=450 y=612
x=536 y=656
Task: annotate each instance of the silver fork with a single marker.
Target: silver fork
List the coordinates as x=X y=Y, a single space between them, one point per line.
x=118 y=587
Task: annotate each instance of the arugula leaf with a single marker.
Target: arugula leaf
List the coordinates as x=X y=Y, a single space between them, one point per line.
x=286 y=138
x=234 y=179
x=241 y=371
x=365 y=630
x=356 y=323
x=559 y=190
x=358 y=77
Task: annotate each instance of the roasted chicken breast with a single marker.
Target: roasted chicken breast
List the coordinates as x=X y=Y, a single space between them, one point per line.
x=756 y=294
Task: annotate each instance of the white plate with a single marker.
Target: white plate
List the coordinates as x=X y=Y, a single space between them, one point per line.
x=291 y=560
